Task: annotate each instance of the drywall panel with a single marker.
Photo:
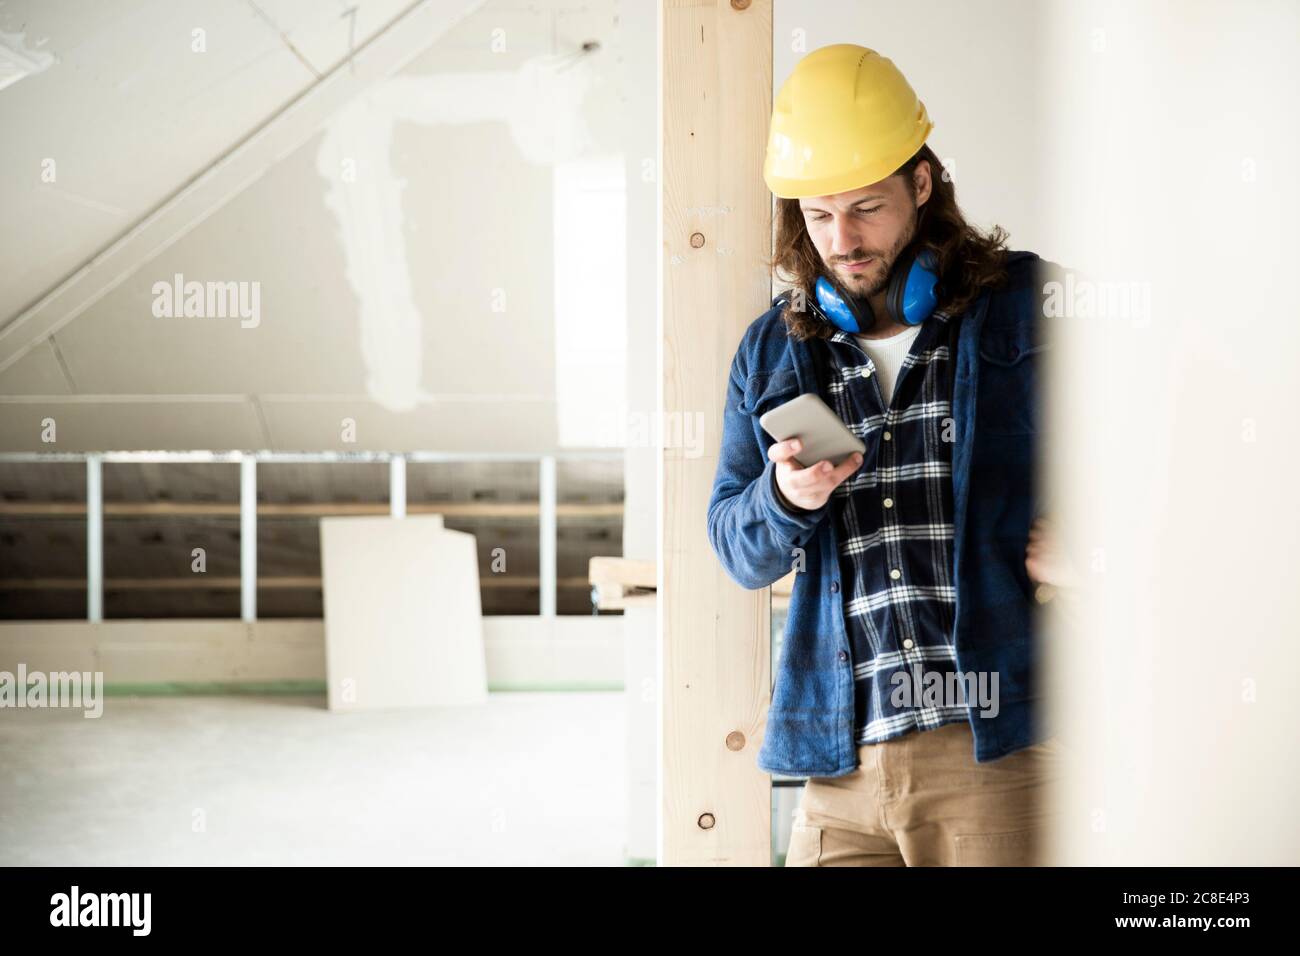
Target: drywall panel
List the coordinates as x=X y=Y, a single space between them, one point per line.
x=403 y=623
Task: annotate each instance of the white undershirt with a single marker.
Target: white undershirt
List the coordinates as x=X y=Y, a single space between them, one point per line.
x=887 y=355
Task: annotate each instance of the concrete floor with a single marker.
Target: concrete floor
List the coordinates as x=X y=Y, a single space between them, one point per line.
x=527 y=779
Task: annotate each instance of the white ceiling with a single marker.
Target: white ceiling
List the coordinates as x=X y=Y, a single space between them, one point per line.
x=128 y=112
x=130 y=115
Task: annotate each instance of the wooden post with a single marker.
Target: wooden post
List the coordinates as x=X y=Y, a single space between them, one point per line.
x=717 y=215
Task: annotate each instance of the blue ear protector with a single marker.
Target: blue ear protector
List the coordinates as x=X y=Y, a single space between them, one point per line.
x=909 y=297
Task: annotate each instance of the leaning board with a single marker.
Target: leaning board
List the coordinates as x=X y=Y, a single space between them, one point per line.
x=403 y=619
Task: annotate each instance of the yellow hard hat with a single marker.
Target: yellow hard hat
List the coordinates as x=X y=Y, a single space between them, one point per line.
x=845 y=118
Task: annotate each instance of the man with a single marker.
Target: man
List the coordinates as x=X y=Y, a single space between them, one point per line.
x=906 y=685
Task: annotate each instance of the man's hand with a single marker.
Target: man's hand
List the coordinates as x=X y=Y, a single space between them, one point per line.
x=1045 y=562
x=808 y=488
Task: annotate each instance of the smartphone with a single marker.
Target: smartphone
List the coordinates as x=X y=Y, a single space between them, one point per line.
x=823 y=433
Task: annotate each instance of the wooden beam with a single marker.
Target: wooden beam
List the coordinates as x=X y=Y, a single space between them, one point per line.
x=625 y=571
x=621 y=583
x=717 y=94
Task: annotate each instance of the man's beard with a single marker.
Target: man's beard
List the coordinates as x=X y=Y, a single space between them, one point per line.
x=864 y=285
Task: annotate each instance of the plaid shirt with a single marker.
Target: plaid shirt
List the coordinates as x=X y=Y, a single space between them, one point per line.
x=896 y=530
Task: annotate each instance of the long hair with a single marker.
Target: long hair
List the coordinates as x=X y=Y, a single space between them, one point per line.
x=969 y=261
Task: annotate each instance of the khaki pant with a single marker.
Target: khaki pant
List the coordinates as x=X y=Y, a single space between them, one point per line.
x=922 y=800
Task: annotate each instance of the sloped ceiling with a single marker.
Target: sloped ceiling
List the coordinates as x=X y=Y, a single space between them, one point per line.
x=130 y=113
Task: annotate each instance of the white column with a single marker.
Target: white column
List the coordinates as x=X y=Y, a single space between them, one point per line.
x=248 y=539
x=397 y=486
x=94 y=538
x=546 y=533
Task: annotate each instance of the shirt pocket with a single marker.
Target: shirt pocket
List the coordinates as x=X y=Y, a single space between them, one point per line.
x=766 y=391
x=1009 y=398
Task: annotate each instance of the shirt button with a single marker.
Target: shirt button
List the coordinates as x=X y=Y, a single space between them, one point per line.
x=908 y=643
x=895 y=574
x=888 y=502
x=835 y=587
x=844 y=655
x=866 y=373
x=885 y=436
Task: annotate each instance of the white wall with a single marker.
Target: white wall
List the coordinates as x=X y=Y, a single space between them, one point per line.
x=641 y=176
x=1173 y=138
x=1151 y=143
